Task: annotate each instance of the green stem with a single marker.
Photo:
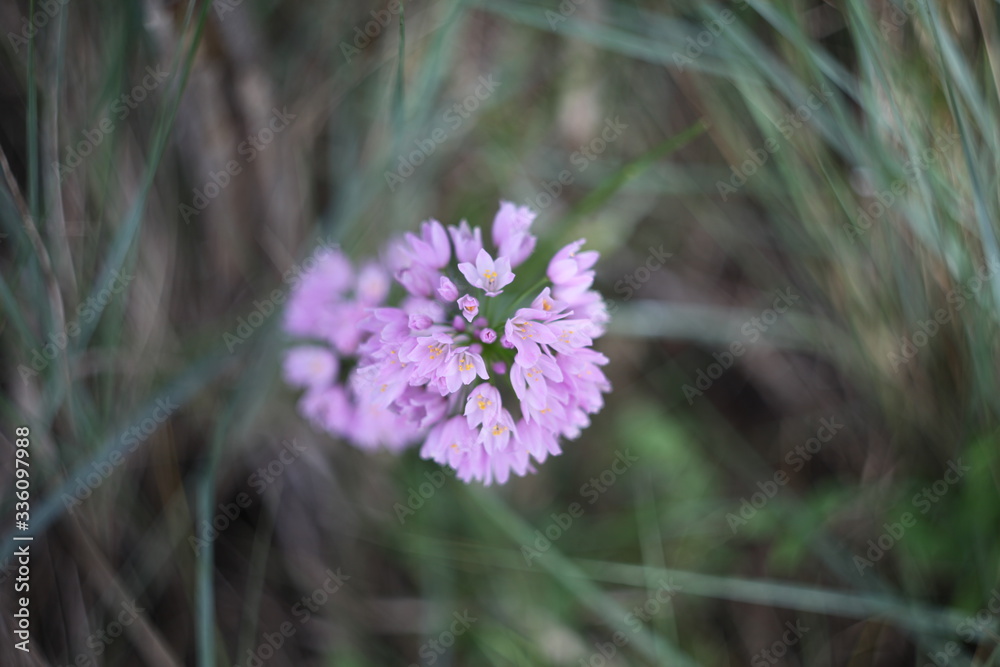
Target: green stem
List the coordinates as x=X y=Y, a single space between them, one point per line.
x=531 y=290
x=488 y=311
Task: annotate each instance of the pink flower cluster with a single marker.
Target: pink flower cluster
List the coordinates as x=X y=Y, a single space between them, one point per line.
x=487 y=368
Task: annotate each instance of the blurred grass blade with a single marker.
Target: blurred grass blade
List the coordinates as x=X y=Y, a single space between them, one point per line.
x=602 y=193
x=181 y=390
x=398 y=106
x=651 y=645
x=125 y=237
x=848 y=604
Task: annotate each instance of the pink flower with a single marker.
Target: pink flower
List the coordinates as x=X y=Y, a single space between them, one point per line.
x=488 y=275
x=462 y=367
x=416 y=260
x=414 y=362
x=432 y=247
x=470 y=307
x=417 y=277
x=547 y=307
x=420 y=322
x=447 y=290
x=373 y=284
x=569 y=271
x=451 y=443
x=316 y=291
x=527 y=335
x=510 y=232
x=483 y=405
x=538 y=441
x=427 y=353
x=468 y=242
x=531 y=383
x=310 y=366
x=328 y=409
x=496 y=435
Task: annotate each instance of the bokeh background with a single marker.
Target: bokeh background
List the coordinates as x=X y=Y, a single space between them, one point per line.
x=826 y=495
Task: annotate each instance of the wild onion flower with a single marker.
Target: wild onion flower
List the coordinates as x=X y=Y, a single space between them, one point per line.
x=326 y=307
x=485 y=367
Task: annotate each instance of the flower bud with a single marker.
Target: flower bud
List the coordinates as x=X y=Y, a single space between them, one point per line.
x=447 y=290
